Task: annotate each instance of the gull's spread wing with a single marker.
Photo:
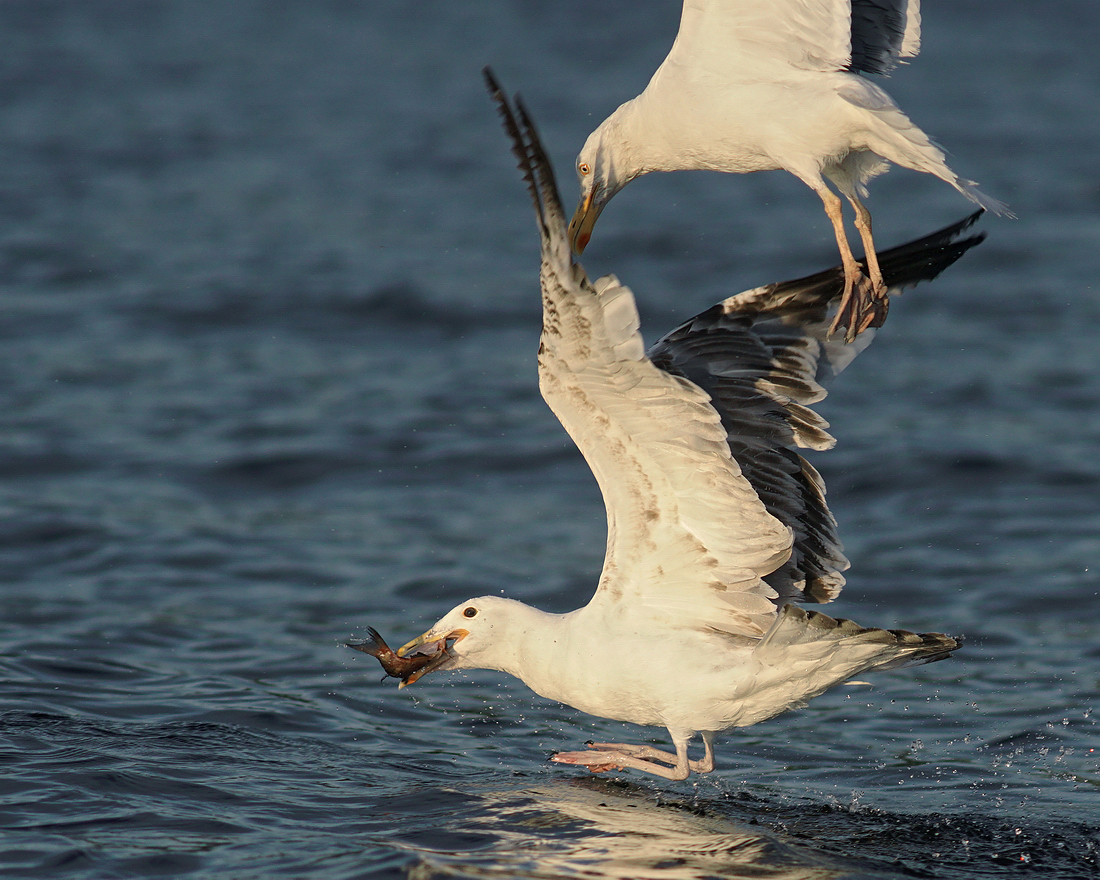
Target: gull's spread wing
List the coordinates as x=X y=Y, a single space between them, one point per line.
x=763 y=356
x=712 y=517
x=865 y=35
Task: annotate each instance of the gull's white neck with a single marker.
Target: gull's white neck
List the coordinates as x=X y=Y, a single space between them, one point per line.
x=670 y=128
x=634 y=144
x=530 y=644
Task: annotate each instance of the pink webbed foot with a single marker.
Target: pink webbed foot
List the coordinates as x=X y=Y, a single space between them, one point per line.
x=622 y=756
x=596 y=762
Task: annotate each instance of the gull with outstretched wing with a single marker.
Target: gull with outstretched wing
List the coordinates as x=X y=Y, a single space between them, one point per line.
x=716 y=525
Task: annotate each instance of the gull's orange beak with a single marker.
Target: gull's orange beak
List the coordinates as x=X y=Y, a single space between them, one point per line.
x=441 y=643
x=580 y=227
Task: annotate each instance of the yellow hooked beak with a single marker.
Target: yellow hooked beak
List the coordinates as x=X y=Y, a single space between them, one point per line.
x=580 y=227
x=441 y=643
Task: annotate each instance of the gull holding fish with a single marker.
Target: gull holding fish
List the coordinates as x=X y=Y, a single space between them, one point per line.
x=760 y=86
x=716 y=525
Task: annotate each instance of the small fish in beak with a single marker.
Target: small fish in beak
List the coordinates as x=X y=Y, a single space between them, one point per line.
x=408 y=668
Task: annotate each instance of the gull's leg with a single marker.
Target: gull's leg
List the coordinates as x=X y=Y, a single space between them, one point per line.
x=651 y=754
x=707 y=764
x=878 y=305
x=852 y=300
x=621 y=756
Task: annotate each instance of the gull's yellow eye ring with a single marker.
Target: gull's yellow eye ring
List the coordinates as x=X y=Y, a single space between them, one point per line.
x=584 y=169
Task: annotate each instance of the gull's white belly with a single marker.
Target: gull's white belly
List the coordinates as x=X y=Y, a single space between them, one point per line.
x=679 y=678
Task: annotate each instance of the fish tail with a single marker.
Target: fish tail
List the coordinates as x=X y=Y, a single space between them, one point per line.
x=374 y=645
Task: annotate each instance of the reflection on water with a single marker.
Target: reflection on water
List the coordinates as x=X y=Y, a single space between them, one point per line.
x=597 y=828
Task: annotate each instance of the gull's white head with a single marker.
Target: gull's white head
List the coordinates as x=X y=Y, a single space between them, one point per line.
x=604 y=167
x=477 y=634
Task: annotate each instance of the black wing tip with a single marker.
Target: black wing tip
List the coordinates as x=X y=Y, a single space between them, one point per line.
x=925 y=258
x=905 y=265
x=494 y=87
x=520 y=148
x=527 y=147
x=947 y=232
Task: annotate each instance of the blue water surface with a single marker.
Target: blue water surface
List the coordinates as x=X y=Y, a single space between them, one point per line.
x=268 y=319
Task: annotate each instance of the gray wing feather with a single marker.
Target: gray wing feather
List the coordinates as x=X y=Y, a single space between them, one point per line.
x=882 y=32
x=763 y=356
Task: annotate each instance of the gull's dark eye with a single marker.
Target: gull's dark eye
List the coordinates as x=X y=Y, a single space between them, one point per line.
x=584 y=169
x=471 y=611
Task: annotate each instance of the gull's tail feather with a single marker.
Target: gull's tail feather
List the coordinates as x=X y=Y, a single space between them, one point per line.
x=969 y=188
x=849 y=646
x=805 y=653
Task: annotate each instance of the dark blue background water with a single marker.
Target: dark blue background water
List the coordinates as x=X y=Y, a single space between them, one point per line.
x=268 y=316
